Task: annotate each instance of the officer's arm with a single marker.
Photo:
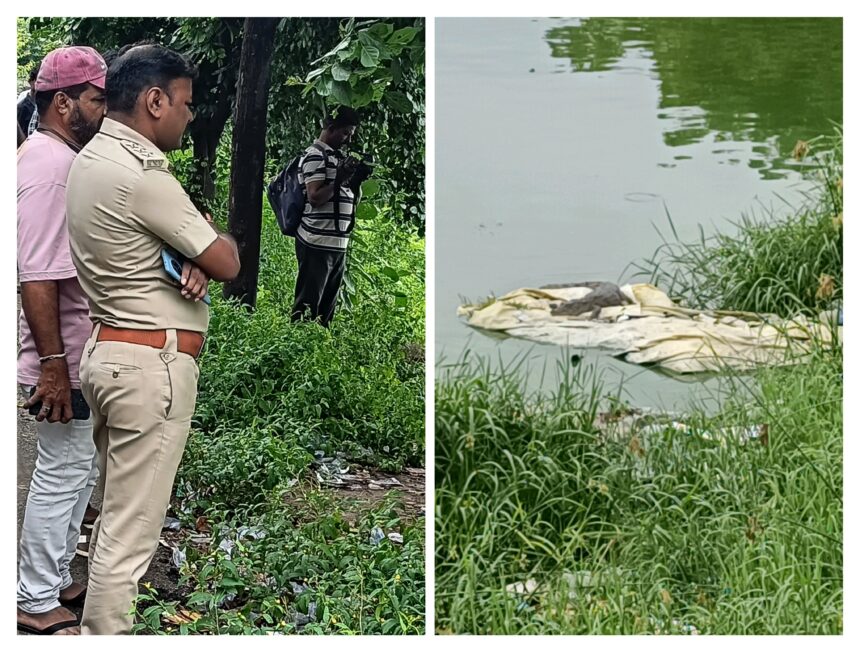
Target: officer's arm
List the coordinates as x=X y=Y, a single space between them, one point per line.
x=163 y=208
x=220 y=260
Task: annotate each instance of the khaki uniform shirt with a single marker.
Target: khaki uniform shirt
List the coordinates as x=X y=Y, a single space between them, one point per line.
x=122 y=207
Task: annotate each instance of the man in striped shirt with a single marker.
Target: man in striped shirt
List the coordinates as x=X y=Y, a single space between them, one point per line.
x=328 y=219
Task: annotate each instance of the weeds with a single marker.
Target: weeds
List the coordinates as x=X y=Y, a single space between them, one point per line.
x=783 y=266
x=271 y=395
x=689 y=534
x=304 y=569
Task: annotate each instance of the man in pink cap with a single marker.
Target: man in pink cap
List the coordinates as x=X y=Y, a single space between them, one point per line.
x=53 y=327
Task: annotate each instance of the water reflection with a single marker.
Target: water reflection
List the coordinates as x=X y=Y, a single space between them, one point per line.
x=562 y=143
x=723 y=82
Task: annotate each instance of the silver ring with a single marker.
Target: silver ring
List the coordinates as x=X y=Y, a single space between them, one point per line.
x=47 y=408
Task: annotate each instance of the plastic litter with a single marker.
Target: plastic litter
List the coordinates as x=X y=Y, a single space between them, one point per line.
x=625 y=424
x=251 y=533
x=171 y=523
x=227 y=546
x=304 y=619
x=395 y=537
x=376 y=535
x=337 y=472
x=178 y=557
x=576 y=582
x=332 y=471
x=297 y=588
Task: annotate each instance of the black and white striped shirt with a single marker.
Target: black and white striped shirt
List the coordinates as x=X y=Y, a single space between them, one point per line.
x=319 y=228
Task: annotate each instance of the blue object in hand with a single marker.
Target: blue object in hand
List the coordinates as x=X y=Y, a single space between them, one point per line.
x=173 y=262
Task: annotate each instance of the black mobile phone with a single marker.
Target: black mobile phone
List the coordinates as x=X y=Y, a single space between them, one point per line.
x=80 y=409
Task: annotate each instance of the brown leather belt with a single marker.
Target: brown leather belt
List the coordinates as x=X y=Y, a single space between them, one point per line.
x=188 y=342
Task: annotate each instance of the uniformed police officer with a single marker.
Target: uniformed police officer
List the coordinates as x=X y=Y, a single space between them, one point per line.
x=139 y=371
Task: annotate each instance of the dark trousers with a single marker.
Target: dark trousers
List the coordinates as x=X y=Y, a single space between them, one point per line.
x=318 y=283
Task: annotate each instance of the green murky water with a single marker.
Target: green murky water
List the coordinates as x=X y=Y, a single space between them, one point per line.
x=562 y=143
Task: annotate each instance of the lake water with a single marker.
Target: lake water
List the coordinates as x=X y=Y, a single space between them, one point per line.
x=562 y=143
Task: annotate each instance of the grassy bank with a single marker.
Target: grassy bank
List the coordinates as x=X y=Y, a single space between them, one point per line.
x=549 y=520
x=659 y=533
x=279 y=553
x=786 y=265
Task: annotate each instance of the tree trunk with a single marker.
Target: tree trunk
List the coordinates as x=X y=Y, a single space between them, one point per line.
x=248 y=155
x=206 y=134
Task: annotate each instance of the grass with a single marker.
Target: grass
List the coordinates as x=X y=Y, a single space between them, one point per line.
x=272 y=392
x=785 y=266
x=676 y=531
x=547 y=523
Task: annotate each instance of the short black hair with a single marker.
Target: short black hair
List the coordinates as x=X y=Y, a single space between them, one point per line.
x=33 y=74
x=137 y=68
x=342 y=116
x=44 y=98
x=111 y=55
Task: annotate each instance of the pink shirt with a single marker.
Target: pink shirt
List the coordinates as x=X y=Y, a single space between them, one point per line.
x=43 y=250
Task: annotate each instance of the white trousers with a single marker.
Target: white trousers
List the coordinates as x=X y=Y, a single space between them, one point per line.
x=66 y=472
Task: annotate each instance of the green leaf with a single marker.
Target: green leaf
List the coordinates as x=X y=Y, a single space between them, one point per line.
x=341 y=92
x=340 y=72
x=323 y=86
x=313 y=74
x=336 y=49
x=365 y=211
x=369 y=56
x=396 y=71
x=381 y=31
x=199 y=598
x=403 y=36
x=391 y=273
x=370 y=188
x=399 y=102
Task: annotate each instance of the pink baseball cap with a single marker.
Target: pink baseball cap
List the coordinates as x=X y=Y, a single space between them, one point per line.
x=65 y=67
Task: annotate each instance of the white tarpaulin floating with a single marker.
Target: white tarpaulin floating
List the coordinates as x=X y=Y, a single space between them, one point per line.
x=653 y=330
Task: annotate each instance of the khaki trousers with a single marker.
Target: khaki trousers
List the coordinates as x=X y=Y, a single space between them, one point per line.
x=142 y=400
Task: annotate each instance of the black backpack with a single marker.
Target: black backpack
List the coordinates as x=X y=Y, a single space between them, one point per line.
x=287 y=196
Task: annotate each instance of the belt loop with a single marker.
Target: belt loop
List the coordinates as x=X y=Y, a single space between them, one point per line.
x=171 y=342
x=94 y=336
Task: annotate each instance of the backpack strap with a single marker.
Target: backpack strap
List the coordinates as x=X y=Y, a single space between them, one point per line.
x=335 y=194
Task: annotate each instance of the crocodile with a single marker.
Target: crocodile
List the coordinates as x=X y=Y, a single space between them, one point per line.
x=602 y=295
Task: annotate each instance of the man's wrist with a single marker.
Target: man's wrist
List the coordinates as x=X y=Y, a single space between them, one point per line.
x=52 y=357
